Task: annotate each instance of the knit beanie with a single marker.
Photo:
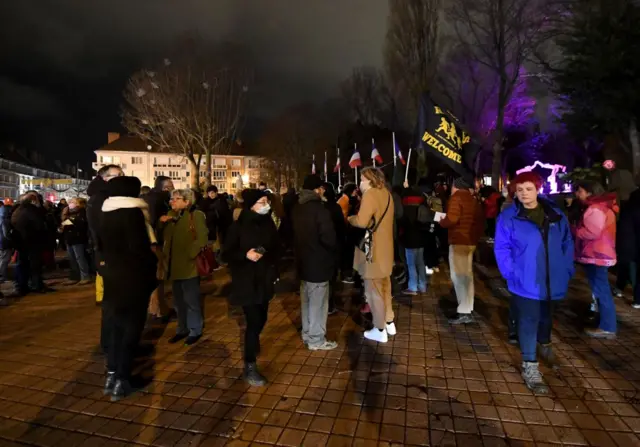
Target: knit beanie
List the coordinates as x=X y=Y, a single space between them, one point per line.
x=250 y=197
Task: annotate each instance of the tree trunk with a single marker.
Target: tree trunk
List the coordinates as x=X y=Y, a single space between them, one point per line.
x=207 y=179
x=635 y=149
x=496 y=169
x=195 y=175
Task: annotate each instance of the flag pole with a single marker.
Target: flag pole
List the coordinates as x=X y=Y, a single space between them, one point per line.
x=395 y=156
x=406 y=172
x=355 y=147
x=339 y=173
x=325 y=166
x=373 y=144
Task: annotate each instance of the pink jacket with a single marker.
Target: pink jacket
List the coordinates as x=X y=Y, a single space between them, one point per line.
x=595 y=235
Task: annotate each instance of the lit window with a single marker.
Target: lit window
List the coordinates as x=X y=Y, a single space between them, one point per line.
x=236 y=162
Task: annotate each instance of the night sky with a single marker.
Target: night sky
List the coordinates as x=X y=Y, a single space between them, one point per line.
x=64 y=62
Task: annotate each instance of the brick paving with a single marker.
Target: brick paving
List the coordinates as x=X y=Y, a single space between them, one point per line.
x=431 y=385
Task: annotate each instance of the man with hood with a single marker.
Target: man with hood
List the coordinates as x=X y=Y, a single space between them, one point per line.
x=315 y=249
x=158 y=202
x=97 y=192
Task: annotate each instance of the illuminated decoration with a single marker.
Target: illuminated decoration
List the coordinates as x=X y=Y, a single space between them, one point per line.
x=609 y=165
x=555 y=169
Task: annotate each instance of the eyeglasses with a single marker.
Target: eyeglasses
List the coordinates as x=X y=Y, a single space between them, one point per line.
x=172 y=199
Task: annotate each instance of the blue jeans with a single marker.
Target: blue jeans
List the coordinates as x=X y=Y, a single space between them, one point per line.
x=79 y=262
x=188 y=306
x=598 y=277
x=533 y=322
x=417 y=269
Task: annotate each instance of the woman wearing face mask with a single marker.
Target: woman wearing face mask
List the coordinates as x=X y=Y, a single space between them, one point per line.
x=252 y=250
x=185 y=234
x=376 y=214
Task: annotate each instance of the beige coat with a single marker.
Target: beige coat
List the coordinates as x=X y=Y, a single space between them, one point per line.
x=373 y=204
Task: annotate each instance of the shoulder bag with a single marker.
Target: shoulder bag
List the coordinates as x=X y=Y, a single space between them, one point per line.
x=205 y=260
x=366 y=243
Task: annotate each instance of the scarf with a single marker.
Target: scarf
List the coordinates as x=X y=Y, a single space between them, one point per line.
x=121 y=202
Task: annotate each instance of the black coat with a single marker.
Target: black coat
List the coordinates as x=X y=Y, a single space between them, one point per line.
x=78 y=233
x=28 y=222
x=252 y=282
x=158 y=202
x=315 y=240
x=627 y=234
x=413 y=234
x=218 y=216
x=97 y=192
x=129 y=266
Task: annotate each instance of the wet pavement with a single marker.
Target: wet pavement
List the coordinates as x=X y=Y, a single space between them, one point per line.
x=432 y=384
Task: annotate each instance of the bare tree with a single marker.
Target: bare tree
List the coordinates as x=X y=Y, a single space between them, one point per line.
x=501 y=35
x=363 y=93
x=413 y=48
x=193 y=105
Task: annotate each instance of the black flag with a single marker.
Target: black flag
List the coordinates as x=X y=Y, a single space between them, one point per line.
x=440 y=133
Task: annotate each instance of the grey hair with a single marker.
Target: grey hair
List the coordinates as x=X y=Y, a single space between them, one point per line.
x=186 y=194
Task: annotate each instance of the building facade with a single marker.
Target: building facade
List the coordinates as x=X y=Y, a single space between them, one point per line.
x=139 y=160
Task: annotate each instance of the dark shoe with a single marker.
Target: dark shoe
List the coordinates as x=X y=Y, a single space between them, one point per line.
x=409 y=292
x=592 y=318
x=71 y=282
x=533 y=378
x=462 y=319
x=109 y=383
x=513 y=339
x=85 y=282
x=348 y=280
x=121 y=389
x=599 y=333
x=176 y=338
x=191 y=339
x=252 y=376
x=546 y=353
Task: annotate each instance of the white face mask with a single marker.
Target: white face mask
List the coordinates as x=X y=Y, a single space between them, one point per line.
x=364 y=186
x=264 y=210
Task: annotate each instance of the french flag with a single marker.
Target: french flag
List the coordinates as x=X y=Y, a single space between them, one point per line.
x=337 y=166
x=313 y=166
x=355 y=160
x=375 y=155
x=399 y=154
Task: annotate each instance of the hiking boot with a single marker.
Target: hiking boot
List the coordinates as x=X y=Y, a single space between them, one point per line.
x=462 y=319
x=252 y=376
x=546 y=353
x=599 y=333
x=533 y=378
x=109 y=382
x=324 y=346
x=121 y=389
x=376 y=334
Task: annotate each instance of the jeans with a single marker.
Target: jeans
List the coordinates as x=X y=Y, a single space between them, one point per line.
x=461 y=265
x=314 y=311
x=417 y=269
x=533 y=321
x=378 y=293
x=598 y=277
x=5 y=260
x=79 y=263
x=29 y=271
x=186 y=300
x=256 y=317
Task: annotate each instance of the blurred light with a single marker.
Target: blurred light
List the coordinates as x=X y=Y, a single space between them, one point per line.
x=552 y=179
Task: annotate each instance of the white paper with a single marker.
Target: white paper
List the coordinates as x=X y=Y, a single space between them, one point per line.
x=67 y=222
x=439 y=216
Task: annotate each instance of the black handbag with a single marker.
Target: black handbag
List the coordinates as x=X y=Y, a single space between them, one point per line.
x=366 y=243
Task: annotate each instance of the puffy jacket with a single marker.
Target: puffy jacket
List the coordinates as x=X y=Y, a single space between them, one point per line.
x=464 y=220
x=595 y=233
x=536 y=262
x=491 y=208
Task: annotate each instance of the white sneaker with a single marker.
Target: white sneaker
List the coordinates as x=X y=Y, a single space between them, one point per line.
x=377 y=335
x=429 y=271
x=636 y=306
x=391 y=328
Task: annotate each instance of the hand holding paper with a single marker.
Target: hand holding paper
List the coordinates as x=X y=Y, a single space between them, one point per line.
x=439 y=216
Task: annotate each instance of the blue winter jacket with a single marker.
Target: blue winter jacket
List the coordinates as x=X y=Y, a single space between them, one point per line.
x=532 y=268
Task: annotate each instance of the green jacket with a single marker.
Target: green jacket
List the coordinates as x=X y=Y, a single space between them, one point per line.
x=180 y=249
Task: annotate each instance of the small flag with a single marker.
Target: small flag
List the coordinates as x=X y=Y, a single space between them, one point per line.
x=399 y=154
x=313 y=166
x=337 y=167
x=375 y=155
x=355 y=160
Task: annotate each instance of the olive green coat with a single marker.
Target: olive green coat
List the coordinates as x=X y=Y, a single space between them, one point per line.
x=180 y=249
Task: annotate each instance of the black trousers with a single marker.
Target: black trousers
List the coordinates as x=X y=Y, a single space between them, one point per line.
x=106 y=323
x=256 y=317
x=29 y=271
x=125 y=332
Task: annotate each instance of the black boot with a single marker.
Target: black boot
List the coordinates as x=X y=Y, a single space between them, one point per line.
x=109 y=383
x=252 y=376
x=121 y=389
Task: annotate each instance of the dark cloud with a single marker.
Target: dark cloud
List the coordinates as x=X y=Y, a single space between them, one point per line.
x=77 y=54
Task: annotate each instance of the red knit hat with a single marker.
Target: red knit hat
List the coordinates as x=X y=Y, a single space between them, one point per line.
x=525 y=177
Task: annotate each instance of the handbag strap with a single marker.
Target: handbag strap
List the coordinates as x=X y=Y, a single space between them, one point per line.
x=377 y=224
x=192 y=227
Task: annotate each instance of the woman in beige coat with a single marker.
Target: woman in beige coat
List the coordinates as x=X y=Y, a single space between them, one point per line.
x=376 y=214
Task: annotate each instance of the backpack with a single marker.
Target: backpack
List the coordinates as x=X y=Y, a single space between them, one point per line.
x=424 y=215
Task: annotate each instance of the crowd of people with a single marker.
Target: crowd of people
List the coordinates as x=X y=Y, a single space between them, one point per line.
x=141 y=242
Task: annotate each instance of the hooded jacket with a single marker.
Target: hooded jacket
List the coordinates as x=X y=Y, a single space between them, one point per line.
x=536 y=262
x=595 y=233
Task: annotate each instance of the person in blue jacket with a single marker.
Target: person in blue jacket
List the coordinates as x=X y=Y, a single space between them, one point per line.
x=534 y=251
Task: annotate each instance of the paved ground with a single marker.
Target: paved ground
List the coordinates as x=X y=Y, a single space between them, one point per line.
x=432 y=385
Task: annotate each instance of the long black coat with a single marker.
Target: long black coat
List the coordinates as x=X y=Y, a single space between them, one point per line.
x=413 y=234
x=627 y=234
x=29 y=224
x=315 y=240
x=129 y=267
x=252 y=282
